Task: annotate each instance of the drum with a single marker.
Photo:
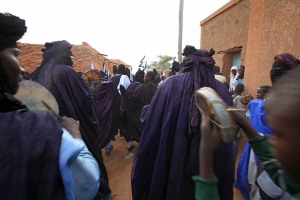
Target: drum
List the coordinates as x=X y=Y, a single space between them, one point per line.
x=36 y=97
x=210 y=104
x=92 y=78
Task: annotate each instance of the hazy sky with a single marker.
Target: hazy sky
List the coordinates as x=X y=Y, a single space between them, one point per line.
x=122 y=29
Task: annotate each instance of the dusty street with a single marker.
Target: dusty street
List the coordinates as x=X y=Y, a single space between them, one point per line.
x=119 y=170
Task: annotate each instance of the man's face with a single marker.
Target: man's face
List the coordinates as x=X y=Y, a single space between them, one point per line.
x=70 y=60
x=11 y=65
x=146 y=79
x=233 y=72
x=259 y=94
x=286 y=140
x=241 y=70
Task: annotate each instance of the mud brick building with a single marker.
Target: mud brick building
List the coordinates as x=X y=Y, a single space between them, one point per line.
x=250 y=33
x=84 y=55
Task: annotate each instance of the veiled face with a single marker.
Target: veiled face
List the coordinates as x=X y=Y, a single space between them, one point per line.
x=69 y=58
x=11 y=65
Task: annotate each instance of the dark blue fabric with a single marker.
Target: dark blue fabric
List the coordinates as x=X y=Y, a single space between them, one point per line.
x=168 y=154
x=134 y=100
x=29 y=151
x=117 y=96
x=76 y=100
x=107 y=112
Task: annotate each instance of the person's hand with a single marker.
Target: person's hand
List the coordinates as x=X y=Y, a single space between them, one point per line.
x=246 y=99
x=244 y=123
x=210 y=141
x=210 y=137
x=240 y=119
x=71 y=125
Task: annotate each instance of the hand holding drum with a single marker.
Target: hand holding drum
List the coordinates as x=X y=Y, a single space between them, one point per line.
x=36 y=97
x=211 y=105
x=71 y=125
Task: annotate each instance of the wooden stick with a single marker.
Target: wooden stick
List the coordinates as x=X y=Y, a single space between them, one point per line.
x=235 y=109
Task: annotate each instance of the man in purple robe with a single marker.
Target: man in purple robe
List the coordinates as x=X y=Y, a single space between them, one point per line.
x=74 y=99
x=134 y=100
x=168 y=154
x=106 y=112
x=20 y=129
x=137 y=81
x=40 y=157
x=122 y=79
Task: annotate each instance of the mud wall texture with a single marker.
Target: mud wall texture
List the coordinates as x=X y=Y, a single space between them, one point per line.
x=273 y=29
x=262 y=28
x=225 y=30
x=84 y=55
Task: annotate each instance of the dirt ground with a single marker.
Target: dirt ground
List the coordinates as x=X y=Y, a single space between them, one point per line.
x=119 y=170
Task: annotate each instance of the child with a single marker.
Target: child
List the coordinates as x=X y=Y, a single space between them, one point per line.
x=245 y=100
x=262 y=91
x=284 y=121
x=239 y=89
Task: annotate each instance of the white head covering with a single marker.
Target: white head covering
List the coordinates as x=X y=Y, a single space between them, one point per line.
x=233 y=67
x=232 y=77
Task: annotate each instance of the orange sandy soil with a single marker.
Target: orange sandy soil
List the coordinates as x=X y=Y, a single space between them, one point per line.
x=119 y=169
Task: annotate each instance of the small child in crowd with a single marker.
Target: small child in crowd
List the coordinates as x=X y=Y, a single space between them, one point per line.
x=239 y=89
x=262 y=91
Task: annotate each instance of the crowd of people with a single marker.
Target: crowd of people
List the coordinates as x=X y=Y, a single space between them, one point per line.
x=179 y=155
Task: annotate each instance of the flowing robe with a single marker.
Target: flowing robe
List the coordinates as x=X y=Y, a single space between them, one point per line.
x=29 y=152
x=135 y=98
x=106 y=112
x=76 y=100
x=168 y=154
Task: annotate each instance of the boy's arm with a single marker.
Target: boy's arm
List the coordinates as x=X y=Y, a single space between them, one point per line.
x=261 y=148
x=243 y=122
x=258 y=142
x=206 y=184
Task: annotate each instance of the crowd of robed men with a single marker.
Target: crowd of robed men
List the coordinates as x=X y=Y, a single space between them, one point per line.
x=180 y=155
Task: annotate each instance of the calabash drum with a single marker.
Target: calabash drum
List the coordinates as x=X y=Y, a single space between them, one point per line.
x=210 y=104
x=92 y=78
x=36 y=97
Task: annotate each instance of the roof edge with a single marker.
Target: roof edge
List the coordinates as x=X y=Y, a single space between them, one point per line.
x=220 y=10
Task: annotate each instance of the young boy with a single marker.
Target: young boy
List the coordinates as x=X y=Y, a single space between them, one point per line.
x=278 y=181
x=262 y=91
x=239 y=89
